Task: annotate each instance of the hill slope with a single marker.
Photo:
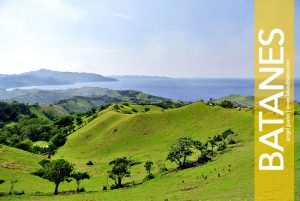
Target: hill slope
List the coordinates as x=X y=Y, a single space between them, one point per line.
x=147 y=136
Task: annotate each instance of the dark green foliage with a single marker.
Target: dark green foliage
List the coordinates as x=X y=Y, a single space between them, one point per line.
x=148 y=166
x=226 y=104
x=180 y=151
x=222 y=146
x=64 y=121
x=79 y=176
x=18 y=192
x=78 y=120
x=90 y=163
x=2 y=181
x=120 y=169
x=58 y=140
x=146 y=109
x=50 y=150
x=24 y=145
x=11 y=111
x=149 y=177
x=56 y=171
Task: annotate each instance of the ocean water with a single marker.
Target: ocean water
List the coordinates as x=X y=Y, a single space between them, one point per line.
x=176 y=88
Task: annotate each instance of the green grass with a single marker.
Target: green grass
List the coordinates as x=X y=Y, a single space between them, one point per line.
x=147 y=136
x=41 y=143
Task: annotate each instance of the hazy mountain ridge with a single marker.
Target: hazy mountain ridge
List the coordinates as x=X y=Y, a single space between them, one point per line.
x=49 y=77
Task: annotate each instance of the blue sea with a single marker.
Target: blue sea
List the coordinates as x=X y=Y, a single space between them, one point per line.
x=185 y=89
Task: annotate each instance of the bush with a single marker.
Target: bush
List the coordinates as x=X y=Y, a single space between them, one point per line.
x=104 y=187
x=226 y=104
x=161 y=167
x=90 y=163
x=58 y=140
x=149 y=177
x=18 y=192
x=222 y=147
x=147 y=109
x=231 y=141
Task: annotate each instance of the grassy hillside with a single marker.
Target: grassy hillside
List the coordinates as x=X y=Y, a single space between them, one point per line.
x=147 y=136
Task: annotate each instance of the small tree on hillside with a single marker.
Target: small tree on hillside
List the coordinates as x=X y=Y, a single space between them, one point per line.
x=148 y=166
x=212 y=143
x=120 y=169
x=2 y=181
x=79 y=176
x=50 y=150
x=12 y=185
x=56 y=171
x=203 y=148
x=180 y=151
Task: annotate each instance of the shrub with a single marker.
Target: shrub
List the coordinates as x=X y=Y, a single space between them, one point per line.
x=147 y=109
x=58 y=140
x=231 y=141
x=161 y=167
x=18 y=192
x=149 y=177
x=222 y=147
x=90 y=163
x=226 y=104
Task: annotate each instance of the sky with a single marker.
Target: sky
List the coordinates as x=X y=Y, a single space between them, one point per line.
x=176 y=38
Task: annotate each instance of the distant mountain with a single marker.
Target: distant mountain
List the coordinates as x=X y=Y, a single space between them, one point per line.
x=138 y=77
x=49 y=77
x=91 y=93
x=82 y=99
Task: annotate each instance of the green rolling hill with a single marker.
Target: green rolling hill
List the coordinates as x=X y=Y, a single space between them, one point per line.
x=147 y=136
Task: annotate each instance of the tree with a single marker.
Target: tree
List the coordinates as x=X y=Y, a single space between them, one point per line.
x=79 y=120
x=2 y=181
x=203 y=148
x=120 y=169
x=226 y=104
x=148 y=166
x=12 y=185
x=56 y=171
x=64 y=121
x=212 y=143
x=50 y=150
x=180 y=151
x=58 y=140
x=79 y=176
x=227 y=133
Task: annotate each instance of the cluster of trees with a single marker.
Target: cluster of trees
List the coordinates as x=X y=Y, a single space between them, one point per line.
x=28 y=130
x=25 y=128
x=184 y=147
x=60 y=170
x=12 y=111
x=120 y=168
x=179 y=153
